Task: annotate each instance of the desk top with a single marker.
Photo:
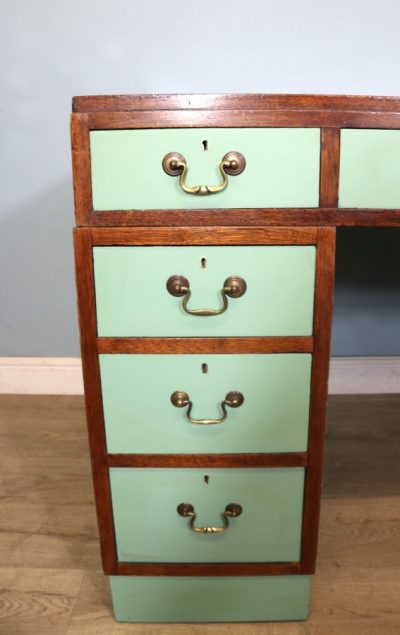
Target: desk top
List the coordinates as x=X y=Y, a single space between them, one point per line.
x=358 y=155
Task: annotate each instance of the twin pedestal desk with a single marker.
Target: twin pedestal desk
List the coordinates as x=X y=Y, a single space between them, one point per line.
x=204 y=247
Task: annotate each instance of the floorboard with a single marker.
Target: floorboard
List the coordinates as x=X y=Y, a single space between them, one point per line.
x=50 y=575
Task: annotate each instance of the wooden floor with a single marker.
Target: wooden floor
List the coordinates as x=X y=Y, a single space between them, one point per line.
x=50 y=577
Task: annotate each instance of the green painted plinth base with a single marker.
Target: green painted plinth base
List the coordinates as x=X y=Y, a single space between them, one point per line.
x=210 y=599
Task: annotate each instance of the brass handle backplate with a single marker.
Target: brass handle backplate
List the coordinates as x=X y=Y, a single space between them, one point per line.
x=180 y=399
x=231 y=511
x=174 y=164
x=179 y=286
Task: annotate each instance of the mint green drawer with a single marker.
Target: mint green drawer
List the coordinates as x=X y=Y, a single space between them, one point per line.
x=132 y=298
x=369 y=168
x=211 y=599
x=148 y=527
x=282 y=167
x=140 y=418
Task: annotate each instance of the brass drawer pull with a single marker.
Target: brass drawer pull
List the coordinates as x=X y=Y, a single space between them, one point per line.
x=231 y=511
x=174 y=164
x=180 y=399
x=178 y=286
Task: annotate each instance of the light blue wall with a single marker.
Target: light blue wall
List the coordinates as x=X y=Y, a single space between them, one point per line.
x=51 y=50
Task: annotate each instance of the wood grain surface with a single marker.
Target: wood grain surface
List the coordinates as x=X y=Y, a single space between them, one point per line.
x=288 y=459
x=193 y=345
x=204 y=236
x=92 y=383
x=329 y=172
x=50 y=573
x=82 y=181
x=323 y=307
x=209 y=568
x=248 y=217
x=252 y=101
x=239 y=118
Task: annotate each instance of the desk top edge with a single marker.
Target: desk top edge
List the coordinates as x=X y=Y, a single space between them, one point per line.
x=233 y=101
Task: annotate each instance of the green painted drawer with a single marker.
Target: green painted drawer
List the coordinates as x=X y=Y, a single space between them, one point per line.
x=211 y=599
x=282 y=167
x=369 y=168
x=140 y=417
x=149 y=529
x=132 y=298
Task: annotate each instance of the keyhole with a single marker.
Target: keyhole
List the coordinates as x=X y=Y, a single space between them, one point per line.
x=204 y=368
x=205 y=144
x=203 y=263
x=206 y=479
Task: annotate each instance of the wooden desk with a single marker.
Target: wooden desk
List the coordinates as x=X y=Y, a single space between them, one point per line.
x=218 y=522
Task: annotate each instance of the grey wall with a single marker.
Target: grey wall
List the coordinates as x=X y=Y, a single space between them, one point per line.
x=366 y=319
x=52 y=49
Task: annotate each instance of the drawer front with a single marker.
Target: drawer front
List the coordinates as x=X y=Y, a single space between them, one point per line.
x=140 y=418
x=282 y=167
x=148 y=527
x=369 y=168
x=132 y=298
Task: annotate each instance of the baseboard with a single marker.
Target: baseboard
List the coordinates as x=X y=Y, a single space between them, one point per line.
x=63 y=375
x=41 y=375
x=364 y=375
